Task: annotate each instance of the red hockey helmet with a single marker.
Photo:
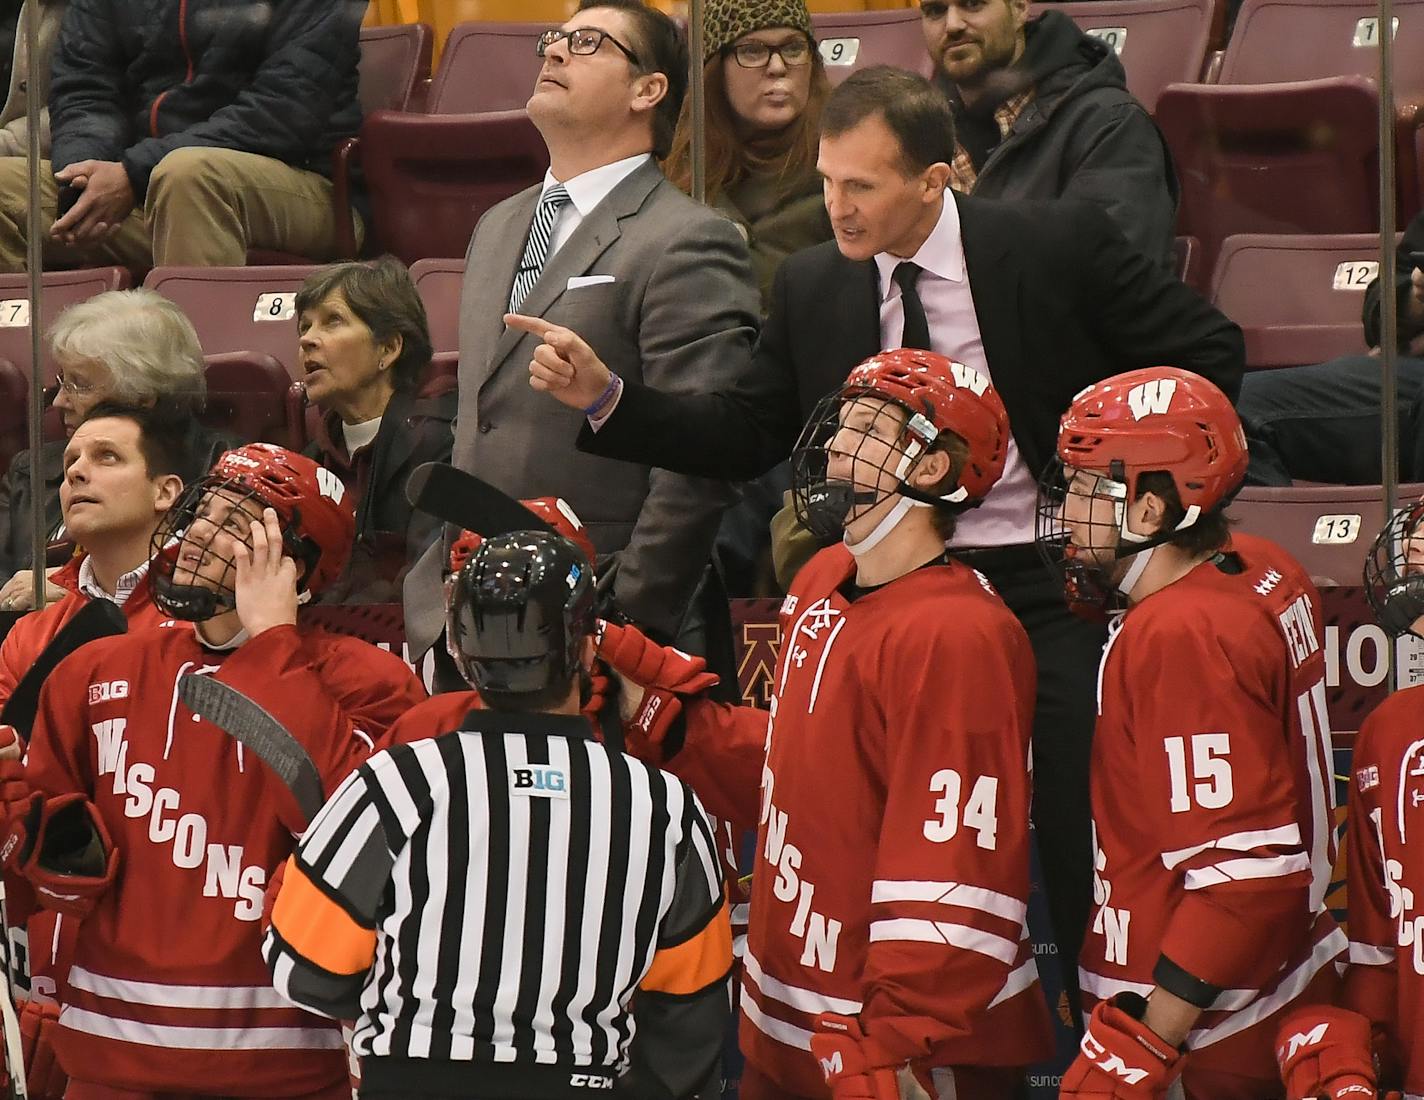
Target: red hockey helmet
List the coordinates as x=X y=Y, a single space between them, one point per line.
x=555 y=511
x=938 y=395
x=1394 y=572
x=1154 y=420
x=951 y=397
x=1158 y=418
x=316 y=515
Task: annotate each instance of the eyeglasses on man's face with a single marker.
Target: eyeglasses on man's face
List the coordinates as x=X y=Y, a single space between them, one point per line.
x=582 y=42
x=757 y=55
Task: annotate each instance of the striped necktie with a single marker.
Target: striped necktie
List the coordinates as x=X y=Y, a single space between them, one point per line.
x=536 y=251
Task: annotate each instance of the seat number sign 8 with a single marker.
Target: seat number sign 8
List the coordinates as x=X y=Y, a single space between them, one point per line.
x=15 y=313
x=840 y=51
x=1354 y=274
x=1116 y=37
x=277 y=306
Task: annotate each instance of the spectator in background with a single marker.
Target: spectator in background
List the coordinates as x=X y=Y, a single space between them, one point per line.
x=30 y=78
x=188 y=131
x=365 y=348
x=657 y=283
x=132 y=346
x=1321 y=422
x=765 y=85
x=1042 y=111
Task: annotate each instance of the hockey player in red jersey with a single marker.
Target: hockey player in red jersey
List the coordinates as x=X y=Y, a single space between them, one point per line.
x=887 y=945
x=1382 y=1007
x=1212 y=782
x=159 y=831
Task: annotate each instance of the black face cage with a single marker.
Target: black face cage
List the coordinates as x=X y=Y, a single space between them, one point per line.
x=1394 y=588
x=824 y=506
x=175 y=536
x=1087 y=585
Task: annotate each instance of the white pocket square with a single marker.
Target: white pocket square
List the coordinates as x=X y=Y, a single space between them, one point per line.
x=588 y=280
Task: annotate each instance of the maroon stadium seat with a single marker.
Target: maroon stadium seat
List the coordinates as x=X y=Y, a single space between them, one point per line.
x=394 y=62
x=60 y=289
x=1159 y=42
x=14 y=413
x=1274 y=158
x=439 y=283
x=246 y=309
x=854 y=40
x=1327 y=528
x=431 y=177
x=486 y=66
x=247 y=397
x=1297 y=299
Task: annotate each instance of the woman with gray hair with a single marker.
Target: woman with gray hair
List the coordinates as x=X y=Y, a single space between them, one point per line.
x=132 y=346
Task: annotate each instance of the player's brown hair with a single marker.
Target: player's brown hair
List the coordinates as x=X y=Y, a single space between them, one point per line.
x=163 y=430
x=1210 y=532
x=958 y=451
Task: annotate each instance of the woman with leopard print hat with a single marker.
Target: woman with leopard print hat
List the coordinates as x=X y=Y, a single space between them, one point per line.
x=766 y=85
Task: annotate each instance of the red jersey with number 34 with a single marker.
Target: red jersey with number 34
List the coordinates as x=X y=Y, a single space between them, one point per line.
x=1213 y=796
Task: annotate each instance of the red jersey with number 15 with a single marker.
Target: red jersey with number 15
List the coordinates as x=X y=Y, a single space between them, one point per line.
x=1213 y=799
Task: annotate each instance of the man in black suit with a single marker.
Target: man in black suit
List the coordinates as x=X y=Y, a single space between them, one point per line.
x=1046 y=298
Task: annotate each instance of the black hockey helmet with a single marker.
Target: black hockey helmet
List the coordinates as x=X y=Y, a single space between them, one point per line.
x=519 y=611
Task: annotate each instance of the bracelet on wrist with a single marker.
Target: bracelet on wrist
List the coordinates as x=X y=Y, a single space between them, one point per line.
x=603 y=399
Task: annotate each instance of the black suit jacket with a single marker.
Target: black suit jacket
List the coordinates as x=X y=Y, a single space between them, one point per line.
x=1062 y=301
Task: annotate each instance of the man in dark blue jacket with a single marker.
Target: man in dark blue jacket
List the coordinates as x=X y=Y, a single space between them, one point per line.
x=188 y=131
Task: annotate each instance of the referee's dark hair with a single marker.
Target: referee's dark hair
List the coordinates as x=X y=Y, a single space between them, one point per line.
x=915 y=111
x=661 y=48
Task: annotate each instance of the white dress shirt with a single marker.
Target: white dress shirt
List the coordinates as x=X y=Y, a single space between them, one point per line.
x=89 y=584
x=586 y=191
x=1007 y=515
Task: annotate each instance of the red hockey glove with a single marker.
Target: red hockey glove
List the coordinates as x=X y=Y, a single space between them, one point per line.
x=44 y=1079
x=667 y=676
x=62 y=846
x=855 y=1065
x=599 y=687
x=1324 y=1051
x=1121 y=1058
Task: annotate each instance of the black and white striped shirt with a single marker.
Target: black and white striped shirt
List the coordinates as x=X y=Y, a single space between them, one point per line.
x=497 y=895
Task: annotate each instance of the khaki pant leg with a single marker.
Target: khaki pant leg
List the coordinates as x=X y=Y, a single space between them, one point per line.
x=207 y=207
x=129 y=247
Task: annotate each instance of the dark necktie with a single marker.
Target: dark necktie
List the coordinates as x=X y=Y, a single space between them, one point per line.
x=917 y=328
x=536 y=248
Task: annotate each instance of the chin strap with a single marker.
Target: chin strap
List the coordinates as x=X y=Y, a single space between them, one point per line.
x=887 y=524
x=1135 y=569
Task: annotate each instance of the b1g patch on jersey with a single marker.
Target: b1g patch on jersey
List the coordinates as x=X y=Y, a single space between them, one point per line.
x=538 y=781
x=1367 y=779
x=788 y=606
x=109 y=689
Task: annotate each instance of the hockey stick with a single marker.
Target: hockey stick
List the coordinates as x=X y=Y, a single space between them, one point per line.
x=96 y=619
x=452 y=495
x=248 y=724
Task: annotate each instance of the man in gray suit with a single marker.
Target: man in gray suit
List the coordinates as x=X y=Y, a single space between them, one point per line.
x=661 y=286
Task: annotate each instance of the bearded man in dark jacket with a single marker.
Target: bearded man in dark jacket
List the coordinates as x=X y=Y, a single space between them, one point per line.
x=1042 y=111
x=188 y=131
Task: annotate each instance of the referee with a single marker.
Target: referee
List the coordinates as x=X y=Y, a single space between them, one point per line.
x=512 y=910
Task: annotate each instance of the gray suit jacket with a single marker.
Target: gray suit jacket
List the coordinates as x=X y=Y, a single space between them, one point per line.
x=680 y=314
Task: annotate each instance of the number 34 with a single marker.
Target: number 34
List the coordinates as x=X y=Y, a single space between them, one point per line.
x=980 y=812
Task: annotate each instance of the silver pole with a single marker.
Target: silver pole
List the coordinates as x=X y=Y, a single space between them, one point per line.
x=697 y=91
x=1389 y=312
x=34 y=236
